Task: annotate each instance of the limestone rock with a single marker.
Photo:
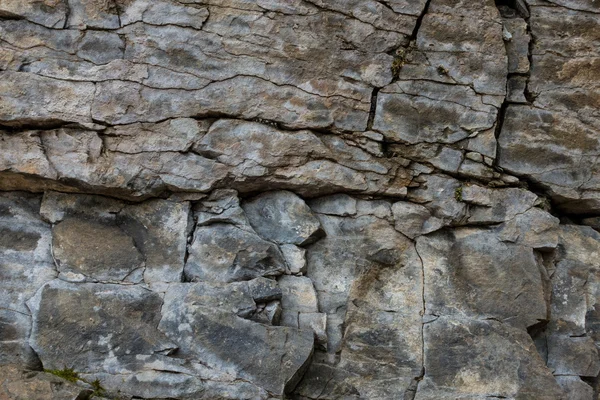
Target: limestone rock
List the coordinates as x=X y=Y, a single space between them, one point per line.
x=152 y=234
x=233 y=345
x=308 y=199
x=25 y=265
x=413 y=220
x=49 y=13
x=282 y=217
x=467 y=359
x=469 y=272
x=226 y=253
x=95 y=250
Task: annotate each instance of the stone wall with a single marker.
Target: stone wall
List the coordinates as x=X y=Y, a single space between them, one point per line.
x=302 y=199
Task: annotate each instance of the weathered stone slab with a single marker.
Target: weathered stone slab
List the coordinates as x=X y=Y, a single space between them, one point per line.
x=226 y=253
x=282 y=217
x=151 y=235
x=467 y=359
x=236 y=346
x=25 y=265
x=470 y=272
x=49 y=13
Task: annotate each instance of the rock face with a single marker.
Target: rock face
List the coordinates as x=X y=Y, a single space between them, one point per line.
x=299 y=199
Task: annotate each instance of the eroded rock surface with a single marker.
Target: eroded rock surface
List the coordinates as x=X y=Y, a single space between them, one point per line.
x=299 y=199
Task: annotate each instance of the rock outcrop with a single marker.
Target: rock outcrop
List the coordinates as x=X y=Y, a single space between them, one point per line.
x=301 y=199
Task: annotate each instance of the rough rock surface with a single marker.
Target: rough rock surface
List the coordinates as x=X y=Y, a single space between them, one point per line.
x=299 y=199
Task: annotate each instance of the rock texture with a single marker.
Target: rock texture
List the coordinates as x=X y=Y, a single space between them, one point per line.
x=299 y=199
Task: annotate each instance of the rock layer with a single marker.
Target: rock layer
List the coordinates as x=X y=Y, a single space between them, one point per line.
x=305 y=199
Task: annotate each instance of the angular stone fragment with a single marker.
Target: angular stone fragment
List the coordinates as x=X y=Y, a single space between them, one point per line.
x=298 y=294
x=295 y=257
x=225 y=342
x=164 y=13
x=467 y=359
x=564 y=162
x=156 y=230
x=533 y=228
x=174 y=135
x=573 y=356
x=25 y=265
x=282 y=217
x=575 y=283
x=414 y=220
x=315 y=322
x=575 y=388
x=30 y=99
x=49 y=13
x=226 y=253
x=93 y=14
x=416 y=112
x=95 y=250
x=496 y=205
x=517 y=46
x=368 y=281
x=222 y=205
x=442 y=195
x=336 y=204
x=470 y=272
x=88 y=325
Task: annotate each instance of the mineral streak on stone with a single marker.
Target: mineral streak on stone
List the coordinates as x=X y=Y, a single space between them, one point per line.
x=299 y=199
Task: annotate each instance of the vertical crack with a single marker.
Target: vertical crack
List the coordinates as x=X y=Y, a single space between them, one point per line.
x=401 y=52
x=415 y=31
x=519 y=9
x=412 y=390
x=373 y=108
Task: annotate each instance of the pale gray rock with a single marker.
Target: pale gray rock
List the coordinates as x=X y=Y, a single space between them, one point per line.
x=408 y=111
x=564 y=88
x=49 y=13
x=223 y=205
x=282 y=217
x=573 y=356
x=336 y=204
x=575 y=283
x=269 y=313
x=192 y=319
x=496 y=205
x=25 y=265
x=108 y=332
x=226 y=253
x=575 y=388
x=173 y=135
x=469 y=272
x=372 y=199
x=295 y=257
x=298 y=294
x=368 y=282
x=96 y=250
x=517 y=47
x=534 y=228
x=315 y=322
x=516 y=87
x=414 y=220
x=152 y=234
x=467 y=359
x=99 y=14
x=164 y=13
x=442 y=195
x=30 y=99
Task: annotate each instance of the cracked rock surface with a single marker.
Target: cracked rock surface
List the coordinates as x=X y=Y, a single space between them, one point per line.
x=299 y=199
